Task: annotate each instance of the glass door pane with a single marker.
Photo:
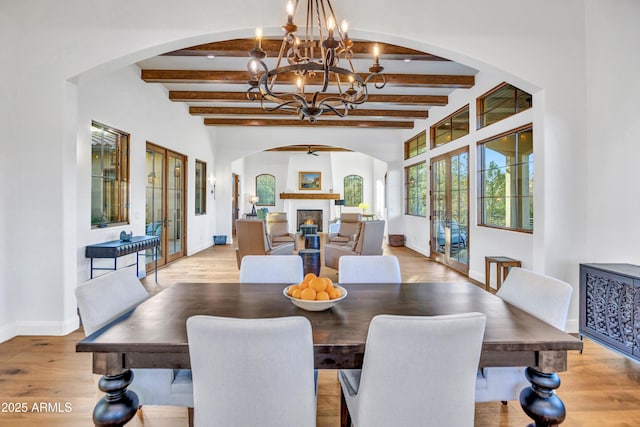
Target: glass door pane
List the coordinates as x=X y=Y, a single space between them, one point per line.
x=175 y=206
x=154 y=210
x=450 y=210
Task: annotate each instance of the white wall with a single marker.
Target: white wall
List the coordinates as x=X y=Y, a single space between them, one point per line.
x=52 y=44
x=122 y=100
x=612 y=121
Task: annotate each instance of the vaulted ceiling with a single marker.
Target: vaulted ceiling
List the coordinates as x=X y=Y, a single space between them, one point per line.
x=212 y=79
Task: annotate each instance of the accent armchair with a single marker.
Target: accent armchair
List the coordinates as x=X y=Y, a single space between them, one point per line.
x=252 y=240
x=278 y=230
x=367 y=242
x=346 y=235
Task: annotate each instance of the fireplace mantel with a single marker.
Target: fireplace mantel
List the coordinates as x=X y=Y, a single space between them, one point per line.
x=317 y=196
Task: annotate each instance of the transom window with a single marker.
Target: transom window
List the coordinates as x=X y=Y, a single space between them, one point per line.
x=506 y=180
x=352 y=190
x=416 y=189
x=266 y=190
x=450 y=128
x=416 y=145
x=109 y=176
x=501 y=102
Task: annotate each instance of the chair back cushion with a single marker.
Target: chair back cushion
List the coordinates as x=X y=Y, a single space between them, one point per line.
x=543 y=296
x=414 y=368
x=252 y=372
x=277 y=224
x=349 y=224
x=271 y=269
x=369 y=241
x=107 y=297
x=369 y=269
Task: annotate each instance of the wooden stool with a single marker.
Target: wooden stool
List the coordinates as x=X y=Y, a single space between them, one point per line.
x=503 y=264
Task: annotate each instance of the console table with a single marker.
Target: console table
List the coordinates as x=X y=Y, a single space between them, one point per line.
x=117 y=248
x=610 y=306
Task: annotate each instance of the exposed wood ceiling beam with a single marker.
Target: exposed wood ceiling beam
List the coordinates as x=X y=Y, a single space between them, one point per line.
x=321 y=123
x=217 y=111
x=202 y=96
x=239 y=48
x=242 y=77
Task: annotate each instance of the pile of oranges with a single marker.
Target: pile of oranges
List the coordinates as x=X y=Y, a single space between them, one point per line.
x=314 y=288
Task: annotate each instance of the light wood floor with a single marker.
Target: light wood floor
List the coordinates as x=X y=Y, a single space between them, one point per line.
x=601 y=388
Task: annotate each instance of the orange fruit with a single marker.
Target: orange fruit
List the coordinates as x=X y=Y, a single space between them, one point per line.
x=322 y=296
x=328 y=282
x=308 y=294
x=308 y=277
x=318 y=284
x=296 y=293
x=291 y=289
x=334 y=293
x=303 y=285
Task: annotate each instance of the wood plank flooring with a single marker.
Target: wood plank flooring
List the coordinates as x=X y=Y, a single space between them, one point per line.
x=601 y=388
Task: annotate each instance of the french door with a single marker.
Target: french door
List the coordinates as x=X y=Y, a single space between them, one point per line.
x=166 y=202
x=449 y=217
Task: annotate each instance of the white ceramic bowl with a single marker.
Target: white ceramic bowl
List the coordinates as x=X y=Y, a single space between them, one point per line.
x=315 y=305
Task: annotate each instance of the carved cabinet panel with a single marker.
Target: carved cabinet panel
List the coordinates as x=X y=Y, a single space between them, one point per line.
x=610 y=306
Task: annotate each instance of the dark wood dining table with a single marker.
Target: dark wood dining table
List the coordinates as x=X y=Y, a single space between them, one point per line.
x=153 y=335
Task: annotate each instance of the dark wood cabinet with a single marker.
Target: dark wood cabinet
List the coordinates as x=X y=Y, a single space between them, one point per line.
x=610 y=306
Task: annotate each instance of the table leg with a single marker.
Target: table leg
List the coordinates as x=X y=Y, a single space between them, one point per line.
x=487 y=275
x=539 y=401
x=118 y=405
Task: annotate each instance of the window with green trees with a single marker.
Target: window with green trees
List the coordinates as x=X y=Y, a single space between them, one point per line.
x=506 y=180
x=352 y=190
x=416 y=189
x=109 y=176
x=266 y=189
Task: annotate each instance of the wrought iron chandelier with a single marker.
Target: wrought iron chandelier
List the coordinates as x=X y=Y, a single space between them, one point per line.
x=310 y=60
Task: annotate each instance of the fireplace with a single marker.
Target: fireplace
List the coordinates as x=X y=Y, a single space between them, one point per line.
x=309 y=216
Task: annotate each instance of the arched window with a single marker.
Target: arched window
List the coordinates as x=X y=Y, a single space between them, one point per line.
x=352 y=190
x=266 y=189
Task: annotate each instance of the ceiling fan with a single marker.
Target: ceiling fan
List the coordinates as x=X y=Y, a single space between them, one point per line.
x=310 y=151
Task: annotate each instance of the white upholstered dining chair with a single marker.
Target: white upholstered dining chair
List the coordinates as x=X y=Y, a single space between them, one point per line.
x=417 y=371
x=252 y=372
x=271 y=269
x=369 y=269
x=542 y=296
x=107 y=297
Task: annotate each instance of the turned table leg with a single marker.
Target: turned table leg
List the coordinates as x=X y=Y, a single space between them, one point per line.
x=118 y=405
x=539 y=401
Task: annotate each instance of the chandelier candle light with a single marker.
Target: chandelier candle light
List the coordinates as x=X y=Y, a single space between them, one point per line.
x=317 y=53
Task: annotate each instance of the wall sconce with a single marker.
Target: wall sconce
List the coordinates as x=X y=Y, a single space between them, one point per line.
x=212 y=182
x=253 y=200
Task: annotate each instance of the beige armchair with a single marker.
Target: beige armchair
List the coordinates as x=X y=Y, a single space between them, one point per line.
x=252 y=240
x=278 y=230
x=368 y=242
x=346 y=235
